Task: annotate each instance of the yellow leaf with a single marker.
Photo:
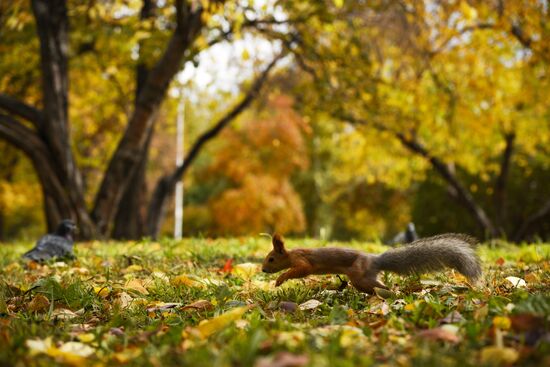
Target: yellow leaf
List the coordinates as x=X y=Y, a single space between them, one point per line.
x=246 y=270
x=502 y=322
x=86 y=338
x=132 y=269
x=127 y=355
x=103 y=292
x=185 y=280
x=209 y=327
x=136 y=285
x=498 y=356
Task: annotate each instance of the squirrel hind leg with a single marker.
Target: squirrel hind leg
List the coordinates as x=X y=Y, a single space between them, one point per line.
x=366 y=284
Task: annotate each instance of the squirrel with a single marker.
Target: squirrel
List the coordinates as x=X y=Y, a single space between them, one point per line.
x=421 y=256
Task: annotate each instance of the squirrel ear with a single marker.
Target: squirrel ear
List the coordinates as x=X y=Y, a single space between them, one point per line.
x=278 y=243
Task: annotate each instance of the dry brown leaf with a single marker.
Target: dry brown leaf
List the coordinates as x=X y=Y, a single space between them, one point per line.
x=439 y=334
x=39 y=304
x=200 y=305
x=136 y=285
x=283 y=359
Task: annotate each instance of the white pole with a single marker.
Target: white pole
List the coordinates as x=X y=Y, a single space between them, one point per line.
x=178 y=210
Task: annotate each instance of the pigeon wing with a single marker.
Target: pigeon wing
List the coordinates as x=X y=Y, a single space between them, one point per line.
x=50 y=246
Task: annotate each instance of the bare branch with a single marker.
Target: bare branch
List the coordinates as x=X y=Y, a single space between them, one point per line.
x=166 y=185
x=523 y=230
x=21 y=109
x=412 y=144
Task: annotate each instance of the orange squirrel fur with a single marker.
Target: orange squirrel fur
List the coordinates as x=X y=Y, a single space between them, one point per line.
x=421 y=256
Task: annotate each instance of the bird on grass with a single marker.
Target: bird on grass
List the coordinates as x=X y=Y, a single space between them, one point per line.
x=54 y=245
x=407 y=236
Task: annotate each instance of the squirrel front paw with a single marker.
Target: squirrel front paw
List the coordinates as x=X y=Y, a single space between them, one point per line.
x=279 y=281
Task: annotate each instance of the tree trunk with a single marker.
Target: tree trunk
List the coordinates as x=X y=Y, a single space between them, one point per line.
x=52 y=28
x=167 y=184
x=126 y=158
x=499 y=197
x=130 y=221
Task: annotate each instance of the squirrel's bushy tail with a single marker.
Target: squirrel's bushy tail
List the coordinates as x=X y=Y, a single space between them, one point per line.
x=431 y=254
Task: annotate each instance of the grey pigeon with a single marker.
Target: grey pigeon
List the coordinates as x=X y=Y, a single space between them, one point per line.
x=408 y=236
x=54 y=245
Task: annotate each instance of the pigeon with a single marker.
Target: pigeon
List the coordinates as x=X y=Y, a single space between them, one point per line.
x=54 y=245
x=408 y=236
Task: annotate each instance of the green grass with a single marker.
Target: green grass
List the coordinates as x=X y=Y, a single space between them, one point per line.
x=499 y=324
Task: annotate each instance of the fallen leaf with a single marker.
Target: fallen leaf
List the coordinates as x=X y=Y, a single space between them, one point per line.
x=163 y=307
x=71 y=349
x=246 y=270
x=136 y=285
x=86 y=338
x=124 y=300
x=213 y=325
x=500 y=261
x=451 y=318
x=517 y=282
x=497 y=356
x=309 y=305
x=132 y=269
x=37 y=346
x=502 y=322
x=200 y=305
x=127 y=355
x=439 y=334
x=63 y=314
x=228 y=266
x=283 y=359
x=102 y=292
x=185 y=280
x=38 y=304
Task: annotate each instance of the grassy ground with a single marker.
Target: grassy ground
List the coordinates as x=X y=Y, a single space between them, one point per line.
x=183 y=303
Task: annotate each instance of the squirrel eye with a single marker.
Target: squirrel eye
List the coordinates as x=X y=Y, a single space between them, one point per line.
x=271 y=259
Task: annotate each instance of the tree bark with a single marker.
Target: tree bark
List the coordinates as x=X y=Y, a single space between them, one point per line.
x=131 y=213
x=126 y=160
x=166 y=185
x=499 y=197
x=52 y=28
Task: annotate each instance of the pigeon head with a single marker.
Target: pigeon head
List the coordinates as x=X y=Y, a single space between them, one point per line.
x=66 y=228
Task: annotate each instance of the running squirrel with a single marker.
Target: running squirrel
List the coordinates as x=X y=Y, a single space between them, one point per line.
x=421 y=256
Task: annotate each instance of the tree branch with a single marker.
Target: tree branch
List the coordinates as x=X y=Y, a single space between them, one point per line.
x=126 y=158
x=166 y=185
x=527 y=224
x=413 y=145
x=21 y=109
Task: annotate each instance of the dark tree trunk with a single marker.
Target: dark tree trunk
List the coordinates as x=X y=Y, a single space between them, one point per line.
x=167 y=184
x=52 y=26
x=130 y=218
x=130 y=221
x=499 y=197
x=126 y=158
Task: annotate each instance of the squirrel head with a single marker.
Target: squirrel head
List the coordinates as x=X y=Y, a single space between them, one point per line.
x=278 y=259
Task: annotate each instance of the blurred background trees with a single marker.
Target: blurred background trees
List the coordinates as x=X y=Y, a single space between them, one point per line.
x=383 y=112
